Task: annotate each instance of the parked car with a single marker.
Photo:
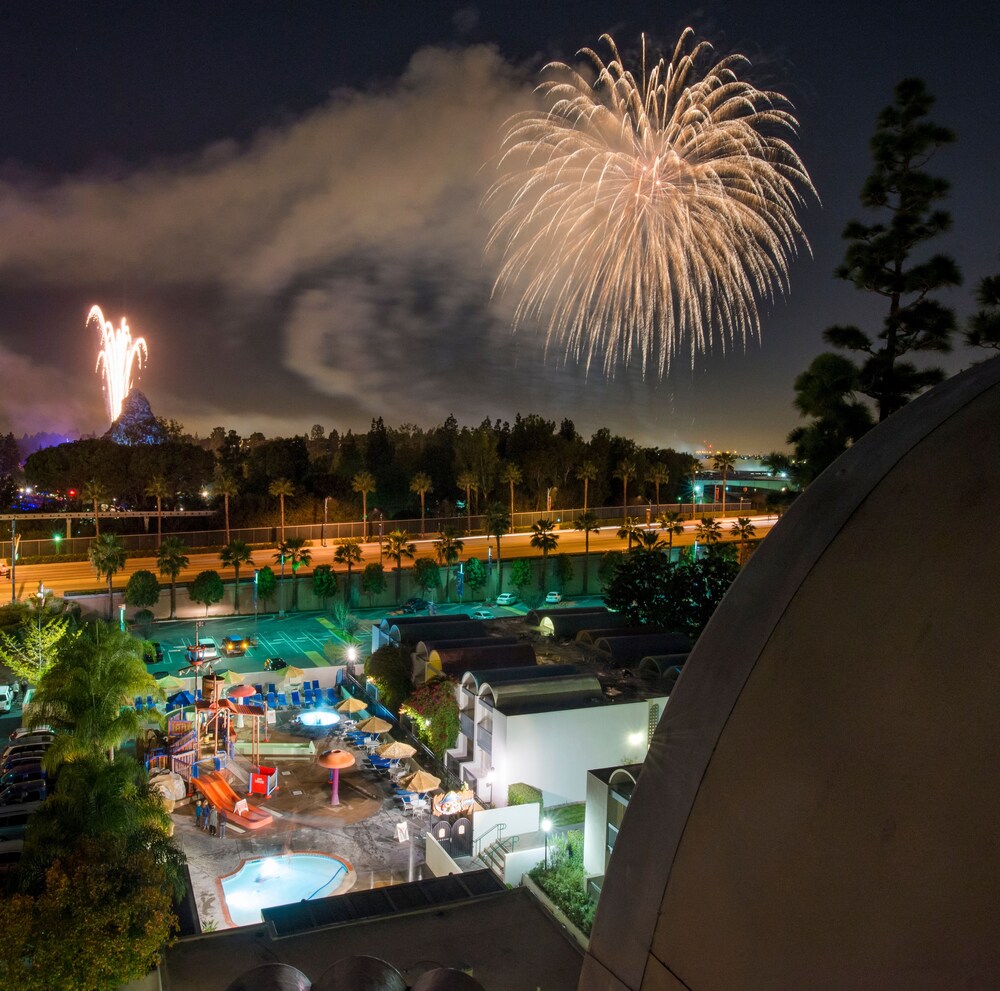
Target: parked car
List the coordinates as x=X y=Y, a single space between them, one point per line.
x=235 y=646
x=483 y=614
x=7 y=697
x=10 y=854
x=4 y=568
x=14 y=820
x=153 y=653
x=415 y=604
x=17 y=763
x=274 y=664
x=18 y=775
x=23 y=731
x=23 y=793
x=506 y=598
x=552 y=598
x=37 y=752
x=205 y=650
x=30 y=740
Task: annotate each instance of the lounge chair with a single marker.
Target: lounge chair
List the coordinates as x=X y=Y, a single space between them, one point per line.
x=271 y=690
x=310 y=701
x=150 y=702
x=282 y=700
x=256 y=699
x=316 y=687
x=259 y=689
x=271 y=700
x=331 y=696
x=296 y=700
x=138 y=703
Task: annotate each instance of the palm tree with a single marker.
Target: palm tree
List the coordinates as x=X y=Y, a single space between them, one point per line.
x=233 y=555
x=659 y=475
x=95 y=493
x=172 y=561
x=588 y=523
x=544 y=538
x=421 y=484
x=348 y=553
x=671 y=524
x=649 y=540
x=467 y=480
x=225 y=486
x=497 y=523
x=724 y=461
x=630 y=529
x=626 y=470
x=296 y=552
x=511 y=474
x=364 y=482
x=398 y=546
x=448 y=548
x=586 y=473
x=86 y=696
x=709 y=531
x=745 y=530
x=107 y=555
x=281 y=487
x=158 y=490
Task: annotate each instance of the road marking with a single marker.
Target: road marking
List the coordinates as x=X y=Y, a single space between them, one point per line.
x=318 y=659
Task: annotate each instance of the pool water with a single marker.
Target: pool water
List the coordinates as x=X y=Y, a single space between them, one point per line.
x=281 y=880
x=319 y=718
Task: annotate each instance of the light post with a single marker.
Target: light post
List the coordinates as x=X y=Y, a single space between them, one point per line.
x=546 y=829
x=322 y=533
x=13 y=560
x=57 y=540
x=488 y=781
x=40 y=595
x=281 y=609
x=255 y=574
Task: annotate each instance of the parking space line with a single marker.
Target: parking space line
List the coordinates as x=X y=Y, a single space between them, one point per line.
x=318 y=659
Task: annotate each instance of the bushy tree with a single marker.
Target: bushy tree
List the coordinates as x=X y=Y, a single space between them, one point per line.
x=267 y=584
x=207 y=589
x=474 y=575
x=142 y=590
x=324 y=583
x=426 y=575
x=373 y=581
x=520 y=574
x=390 y=668
x=434 y=710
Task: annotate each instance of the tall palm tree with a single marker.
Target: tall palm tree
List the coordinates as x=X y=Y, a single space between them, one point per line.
x=497 y=524
x=631 y=529
x=588 y=523
x=586 y=473
x=295 y=551
x=225 y=486
x=746 y=531
x=659 y=475
x=107 y=555
x=511 y=474
x=348 y=553
x=95 y=493
x=364 y=482
x=724 y=461
x=448 y=548
x=235 y=554
x=159 y=490
x=468 y=480
x=86 y=696
x=625 y=471
x=709 y=531
x=649 y=540
x=172 y=560
x=544 y=538
x=421 y=485
x=670 y=524
x=281 y=487
x=398 y=546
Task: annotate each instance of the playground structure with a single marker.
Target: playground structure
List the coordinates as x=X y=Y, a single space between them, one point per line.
x=202 y=751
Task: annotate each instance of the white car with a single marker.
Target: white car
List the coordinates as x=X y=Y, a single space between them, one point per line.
x=553 y=597
x=484 y=614
x=506 y=599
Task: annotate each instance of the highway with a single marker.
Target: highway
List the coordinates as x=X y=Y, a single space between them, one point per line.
x=79 y=576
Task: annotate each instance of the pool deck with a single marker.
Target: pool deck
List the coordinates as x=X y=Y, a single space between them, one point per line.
x=361 y=830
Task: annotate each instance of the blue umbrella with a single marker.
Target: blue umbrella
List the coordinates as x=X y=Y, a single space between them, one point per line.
x=180 y=699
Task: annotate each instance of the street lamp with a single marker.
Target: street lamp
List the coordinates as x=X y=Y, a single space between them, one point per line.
x=255 y=575
x=281 y=610
x=546 y=829
x=322 y=533
x=488 y=781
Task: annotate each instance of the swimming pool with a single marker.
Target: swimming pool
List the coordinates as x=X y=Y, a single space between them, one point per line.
x=319 y=717
x=281 y=880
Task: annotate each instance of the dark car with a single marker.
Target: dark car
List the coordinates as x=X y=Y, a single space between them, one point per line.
x=416 y=604
x=274 y=664
x=153 y=652
x=19 y=775
x=21 y=794
x=235 y=646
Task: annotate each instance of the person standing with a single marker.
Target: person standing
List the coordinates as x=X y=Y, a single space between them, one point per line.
x=197 y=813
x=222 y=824
x=213 y=821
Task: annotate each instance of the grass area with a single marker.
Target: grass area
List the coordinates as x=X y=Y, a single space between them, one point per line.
x=567 y=815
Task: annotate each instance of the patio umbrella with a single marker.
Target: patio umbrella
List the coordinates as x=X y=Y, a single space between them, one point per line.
x=230 y=678
x=421 y=781
x=396 y=750
x=169 y=682
x=375 y=725
x=292 y=673
x=241 y=693
x=179 y=700
x=351 y=705
x=335 y=760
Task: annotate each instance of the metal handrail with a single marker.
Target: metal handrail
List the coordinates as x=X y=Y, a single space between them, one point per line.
x=500 y=828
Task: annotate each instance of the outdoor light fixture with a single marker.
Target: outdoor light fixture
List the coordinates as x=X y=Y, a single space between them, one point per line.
x=635 y=739
x=546 y=829
x=352 y=654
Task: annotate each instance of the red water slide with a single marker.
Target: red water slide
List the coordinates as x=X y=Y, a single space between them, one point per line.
x=216 y=789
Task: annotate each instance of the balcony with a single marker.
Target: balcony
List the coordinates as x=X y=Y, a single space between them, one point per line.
x=484 y=738
x=465 y=725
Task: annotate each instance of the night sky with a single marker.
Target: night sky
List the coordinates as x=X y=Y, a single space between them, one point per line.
x=285 y=200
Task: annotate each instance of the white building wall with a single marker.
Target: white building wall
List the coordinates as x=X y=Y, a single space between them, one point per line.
x=595 y=827
x=554 y=750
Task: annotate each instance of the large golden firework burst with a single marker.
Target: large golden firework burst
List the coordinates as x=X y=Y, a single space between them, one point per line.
x=645 y=218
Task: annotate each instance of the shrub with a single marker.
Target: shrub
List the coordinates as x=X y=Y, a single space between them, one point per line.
x=434 y=711
x=565 y=881
x=522 y=794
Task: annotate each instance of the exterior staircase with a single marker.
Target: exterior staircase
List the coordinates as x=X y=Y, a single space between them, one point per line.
x=493 y=856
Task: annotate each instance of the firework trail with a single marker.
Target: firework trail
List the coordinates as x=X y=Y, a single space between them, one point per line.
x=645 y=217
x=117 y=356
